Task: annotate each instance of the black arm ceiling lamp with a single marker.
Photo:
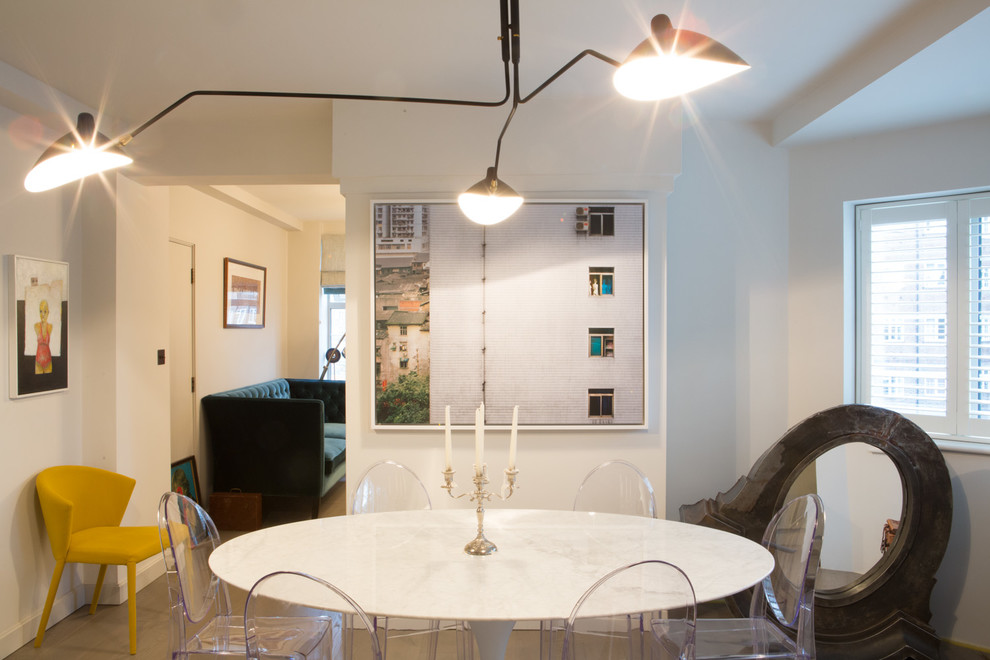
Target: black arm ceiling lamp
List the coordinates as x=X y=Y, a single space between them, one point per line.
x=668 y=63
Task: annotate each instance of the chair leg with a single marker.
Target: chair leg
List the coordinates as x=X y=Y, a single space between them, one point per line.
x=52 y=590
x=465 y=641
x=98 y=588
x=132 y=605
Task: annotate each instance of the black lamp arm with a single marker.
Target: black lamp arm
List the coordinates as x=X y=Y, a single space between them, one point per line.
x=516 y=99
x=561 y=70
x=314 y=95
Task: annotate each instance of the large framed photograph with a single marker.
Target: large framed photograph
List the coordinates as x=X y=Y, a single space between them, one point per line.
x=243 y=294
x=545 y=311
x=185 y=478
x=39 y=326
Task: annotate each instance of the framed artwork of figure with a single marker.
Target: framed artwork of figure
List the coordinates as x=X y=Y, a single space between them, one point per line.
x=39 y=326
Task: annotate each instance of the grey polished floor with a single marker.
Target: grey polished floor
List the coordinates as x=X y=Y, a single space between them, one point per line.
x=103 y=636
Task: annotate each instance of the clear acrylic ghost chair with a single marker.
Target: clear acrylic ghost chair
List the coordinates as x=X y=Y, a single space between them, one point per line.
x=291 y=615
x=615 y=486
x=781 y=621
x=390 y=486
x=200 y=616
x=644 y=611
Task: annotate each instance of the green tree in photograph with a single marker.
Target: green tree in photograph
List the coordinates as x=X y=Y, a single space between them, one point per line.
x=405 y=401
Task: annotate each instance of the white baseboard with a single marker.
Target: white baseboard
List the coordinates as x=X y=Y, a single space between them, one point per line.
x=24 y=631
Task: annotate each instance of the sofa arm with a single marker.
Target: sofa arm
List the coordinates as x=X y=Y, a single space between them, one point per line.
x=268 y=446
x=331 y=392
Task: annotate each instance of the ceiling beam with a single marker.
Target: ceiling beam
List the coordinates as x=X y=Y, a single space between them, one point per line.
x=920 y=26
x=241 y=199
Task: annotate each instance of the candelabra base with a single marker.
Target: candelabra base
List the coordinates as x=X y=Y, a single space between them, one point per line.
x=480 y=546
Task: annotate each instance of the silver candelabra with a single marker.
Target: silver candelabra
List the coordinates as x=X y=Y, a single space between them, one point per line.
x=481 y=545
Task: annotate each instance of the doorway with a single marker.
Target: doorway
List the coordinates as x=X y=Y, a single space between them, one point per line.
x=181 y=351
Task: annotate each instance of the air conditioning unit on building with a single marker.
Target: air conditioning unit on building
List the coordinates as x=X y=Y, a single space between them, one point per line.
x=581 y=225
x=581 y=211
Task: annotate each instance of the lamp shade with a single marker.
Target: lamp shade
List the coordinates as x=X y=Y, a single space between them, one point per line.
x=489 y=201
x=672 y=62
x=75 y=155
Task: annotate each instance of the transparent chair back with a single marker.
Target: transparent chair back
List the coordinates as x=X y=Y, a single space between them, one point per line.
x=642 y=611
x=290 y=615
x=617 y=486
x=781 y=621
x=794 y=537
x=389 y=486
x=200 y=615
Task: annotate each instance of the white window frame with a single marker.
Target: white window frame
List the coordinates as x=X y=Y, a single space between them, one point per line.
x=957 y=424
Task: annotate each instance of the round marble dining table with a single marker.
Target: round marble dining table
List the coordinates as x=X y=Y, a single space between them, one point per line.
x=412 y=564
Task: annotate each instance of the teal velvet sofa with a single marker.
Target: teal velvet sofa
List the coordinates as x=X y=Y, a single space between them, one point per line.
x=283 y=437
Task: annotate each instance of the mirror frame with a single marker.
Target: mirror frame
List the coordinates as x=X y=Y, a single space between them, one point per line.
x=886 y=610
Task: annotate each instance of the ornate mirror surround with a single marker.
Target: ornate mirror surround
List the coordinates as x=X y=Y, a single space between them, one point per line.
x=885 y=612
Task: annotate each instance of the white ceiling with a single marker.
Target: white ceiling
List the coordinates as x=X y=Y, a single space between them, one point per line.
x=820 y=70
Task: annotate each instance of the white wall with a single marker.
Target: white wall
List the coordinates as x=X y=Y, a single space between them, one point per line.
x=231 y=357
x=550 y=152
x=37 y=431
x=822 y=178
x=110 y=415
x=727 y=311
x=303 y=299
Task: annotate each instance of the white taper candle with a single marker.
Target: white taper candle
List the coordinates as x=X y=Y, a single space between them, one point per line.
x=512 y=437
x=446 y=438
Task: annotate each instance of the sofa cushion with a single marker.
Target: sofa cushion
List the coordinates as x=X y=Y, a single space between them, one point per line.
x=334 y=430
x=333 y=454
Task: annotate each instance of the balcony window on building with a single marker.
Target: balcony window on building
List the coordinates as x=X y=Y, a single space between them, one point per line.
x=600 y=402
x=601 y=221
x=601 y=280
x=404 y=363
x=601 y=342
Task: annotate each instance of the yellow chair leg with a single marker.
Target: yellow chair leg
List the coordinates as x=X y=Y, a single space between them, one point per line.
x=52 y=590
x=97 y=588
x=132 y=604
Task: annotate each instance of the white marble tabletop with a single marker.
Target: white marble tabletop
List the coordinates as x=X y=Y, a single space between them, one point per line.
x=412 y=563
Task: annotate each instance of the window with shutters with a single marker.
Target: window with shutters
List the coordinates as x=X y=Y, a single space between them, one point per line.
x=923 y=313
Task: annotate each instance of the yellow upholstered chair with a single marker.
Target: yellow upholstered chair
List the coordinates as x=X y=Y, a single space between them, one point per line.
x=83 y=507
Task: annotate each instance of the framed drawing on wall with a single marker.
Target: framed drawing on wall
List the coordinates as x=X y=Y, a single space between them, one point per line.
x=39 y=326
x=546 y=311
x=244 y=287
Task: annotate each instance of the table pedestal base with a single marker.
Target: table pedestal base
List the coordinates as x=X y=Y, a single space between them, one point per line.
x=492 y=638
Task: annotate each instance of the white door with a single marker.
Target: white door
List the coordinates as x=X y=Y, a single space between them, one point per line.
x=181 y=353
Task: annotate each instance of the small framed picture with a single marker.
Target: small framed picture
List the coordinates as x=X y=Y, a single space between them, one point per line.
x=39 y=327
x=243 y=294
x=185 y=478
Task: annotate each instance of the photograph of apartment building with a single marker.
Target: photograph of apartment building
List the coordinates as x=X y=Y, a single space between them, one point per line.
x=496 y=314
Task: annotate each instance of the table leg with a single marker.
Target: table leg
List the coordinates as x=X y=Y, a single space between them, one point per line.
x=492 y=638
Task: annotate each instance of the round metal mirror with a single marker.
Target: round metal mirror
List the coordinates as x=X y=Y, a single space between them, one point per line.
x=862 y=492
